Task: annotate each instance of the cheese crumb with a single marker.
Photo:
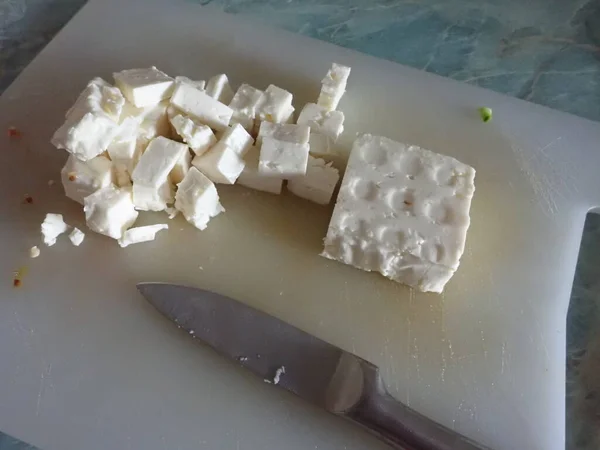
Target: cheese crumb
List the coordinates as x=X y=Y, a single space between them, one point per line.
x=141 y=234
x=76 y=236
x=52 y=227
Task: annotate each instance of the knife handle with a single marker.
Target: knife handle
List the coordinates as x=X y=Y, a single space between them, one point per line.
x=397 y=424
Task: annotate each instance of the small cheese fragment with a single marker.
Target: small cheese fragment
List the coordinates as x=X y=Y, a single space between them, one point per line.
x=153 y=120
x=197 y=199
x=282 y=159
x=297 y=134
x=245 y=105
x=150 y=198
x=52 y=227
x=110 y=211
x=91 y=124
x=325 y=127
x=402 y=211
x=237 y=138
x=275 y=105
x=218 y=87
x=251 y=178
x=34 y=251
x=158 y=161
x=221 y=164
x=76 y=237
x=141 y=234
x=144 y=87
x=198 y=84
x=81 y=179
x=199 y=137
x=202 y=107
x=319 y=182
x=333 y=86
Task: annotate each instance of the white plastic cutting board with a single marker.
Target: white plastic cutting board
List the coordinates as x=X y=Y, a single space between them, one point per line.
x=86 y=363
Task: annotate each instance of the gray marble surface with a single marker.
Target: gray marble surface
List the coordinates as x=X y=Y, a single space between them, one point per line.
x=544 y=51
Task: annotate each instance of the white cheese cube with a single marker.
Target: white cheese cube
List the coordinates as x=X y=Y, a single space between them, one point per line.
x=275 y=105
x=199 y=137
x=245 y=105
x=144 y=87
x=182 y=166
x=282 y=159
x=251 y=178
x=297 y=134
x=218 y=87
x=81 y=179
x=197 y=199
x=202 y=107
x=319 y=182
x=325 y=127
x=199 y=84
x=150 y=198
x=76 y=236
x=110 y=211
x=158 y=161
x=87 y=136
x=52 y=227
x=98 y=96
x=153 y=120
x=221 y=164
x=141 y=234
x=237 y=138
x=401 y=211
x=333 y=86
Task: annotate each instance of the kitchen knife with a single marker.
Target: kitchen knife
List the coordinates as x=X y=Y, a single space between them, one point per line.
x=327 y=376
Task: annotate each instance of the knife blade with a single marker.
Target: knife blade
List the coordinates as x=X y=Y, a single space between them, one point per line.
x=318 y=372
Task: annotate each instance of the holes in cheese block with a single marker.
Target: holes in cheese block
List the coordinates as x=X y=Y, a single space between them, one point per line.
x=401 y=200
x=363 y=189
x=389 y=236
x=373 y=156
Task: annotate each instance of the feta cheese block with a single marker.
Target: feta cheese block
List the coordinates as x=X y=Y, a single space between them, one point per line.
x=325 y=127
x=144 y=87
x=81 y=179
x=158 y=161
x=197 y=199
x=218 y=87
x=76 y=236
x=201 y=106
x=153 y=120
x=91 y=123
x=282 y=159
x=251 y=178
x=98 y=95
x=297 y=134
x=221 y=164
x=52 y=227
x=199 y=137
x=181 y=167
x=237 y=138
x=150 y=198
x=110 y=211
x=333 y=86
x=141 y=234
x=275 y=105
x=198 y=84
x=402 y=211
x=319 y=182
x=245 y=105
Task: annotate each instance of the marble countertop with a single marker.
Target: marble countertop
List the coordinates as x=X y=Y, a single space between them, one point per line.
x=544 y=51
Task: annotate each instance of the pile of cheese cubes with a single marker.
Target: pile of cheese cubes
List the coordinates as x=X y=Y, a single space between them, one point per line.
x=151 y=142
